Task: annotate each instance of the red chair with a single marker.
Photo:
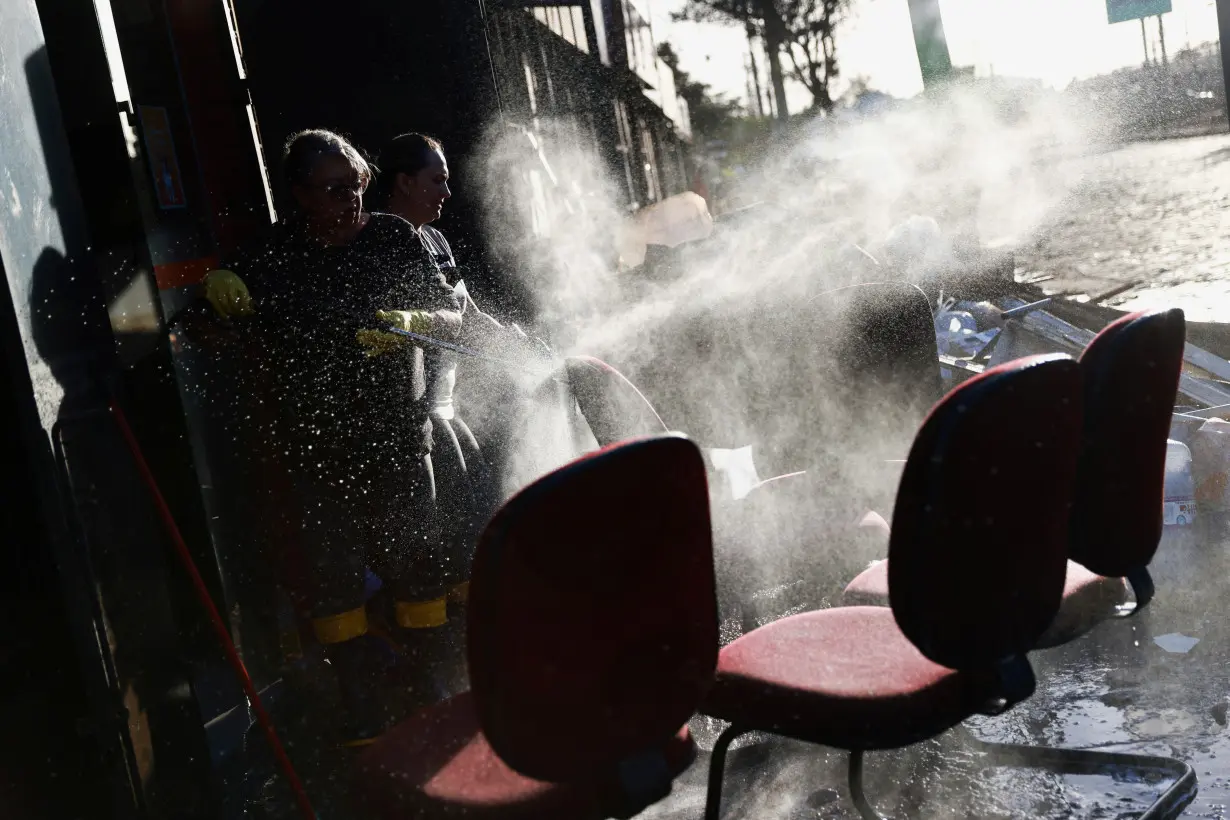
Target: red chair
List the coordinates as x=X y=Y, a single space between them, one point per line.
x=1131 y=377
x=593 y=635
x=613 y=407
x=954 y=642
x=1131 y=374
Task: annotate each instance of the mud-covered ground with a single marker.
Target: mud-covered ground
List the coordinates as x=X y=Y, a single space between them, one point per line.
x=1152 y=214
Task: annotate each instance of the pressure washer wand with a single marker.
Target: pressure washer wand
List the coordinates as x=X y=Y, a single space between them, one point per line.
x=418 y=337
x=466 y=351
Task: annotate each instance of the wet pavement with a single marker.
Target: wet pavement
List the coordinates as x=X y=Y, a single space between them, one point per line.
x=1153 y=213
x=1129 y=686
x=1156 y=215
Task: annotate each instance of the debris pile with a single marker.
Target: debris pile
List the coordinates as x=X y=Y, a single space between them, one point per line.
x=1007 y=320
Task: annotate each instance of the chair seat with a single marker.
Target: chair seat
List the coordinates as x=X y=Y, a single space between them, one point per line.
x=438 y=763
x=1088 y=600
x=869 y=587
x=845 y=678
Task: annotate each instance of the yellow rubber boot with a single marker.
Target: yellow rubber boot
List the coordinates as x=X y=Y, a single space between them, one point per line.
x=361 y=663
x=423 y=630
x=453 y=661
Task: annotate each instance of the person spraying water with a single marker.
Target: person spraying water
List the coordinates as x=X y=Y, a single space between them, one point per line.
x=354 y=416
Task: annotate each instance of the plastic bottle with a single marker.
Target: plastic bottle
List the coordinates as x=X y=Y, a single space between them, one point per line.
x=951 y=327
x=955 y=321
x=1179 y=496
x=1210 y=446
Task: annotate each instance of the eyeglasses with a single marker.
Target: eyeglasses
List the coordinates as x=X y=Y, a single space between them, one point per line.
x=342 y=191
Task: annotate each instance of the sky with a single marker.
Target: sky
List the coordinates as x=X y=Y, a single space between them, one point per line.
x=1052 y=40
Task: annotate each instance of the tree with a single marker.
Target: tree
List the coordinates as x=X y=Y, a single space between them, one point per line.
x=803 y=30
x=812 y=49
x=759 y=17
x=712 y=115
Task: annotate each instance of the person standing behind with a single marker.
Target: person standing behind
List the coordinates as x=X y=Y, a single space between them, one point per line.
x=414 y=185
x=353 y=411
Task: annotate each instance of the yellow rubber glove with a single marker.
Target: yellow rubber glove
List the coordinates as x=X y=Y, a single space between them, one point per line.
x=227 y=293
x=379 y=342
x=414 y=321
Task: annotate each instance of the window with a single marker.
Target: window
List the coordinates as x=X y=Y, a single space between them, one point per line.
x=567 y=22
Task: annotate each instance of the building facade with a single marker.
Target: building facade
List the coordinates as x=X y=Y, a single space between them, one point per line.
x=587 y=75
x=545 y=109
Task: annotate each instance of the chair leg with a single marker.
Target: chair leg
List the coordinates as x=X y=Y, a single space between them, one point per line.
x=717 y=770
x=1168 y=805
x=865 y=809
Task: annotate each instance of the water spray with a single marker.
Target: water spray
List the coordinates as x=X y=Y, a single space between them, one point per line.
x=474 y=354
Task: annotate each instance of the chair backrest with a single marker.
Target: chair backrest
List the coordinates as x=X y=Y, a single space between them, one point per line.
x=612 y=405
x=593 y=623
x=978 y=548
x=1131 y=372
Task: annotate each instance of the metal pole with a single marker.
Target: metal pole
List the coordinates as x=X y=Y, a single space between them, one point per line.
x=1223 y=26
x=1161 y=33
x=1144 y=40
x=930 y=42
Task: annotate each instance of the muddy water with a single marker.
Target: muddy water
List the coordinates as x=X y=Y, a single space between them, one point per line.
x=1155 y=213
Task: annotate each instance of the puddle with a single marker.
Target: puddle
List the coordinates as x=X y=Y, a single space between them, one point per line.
x=1166 y=723
x=1176 y=643
x=1200 y=301
x=1098 y=693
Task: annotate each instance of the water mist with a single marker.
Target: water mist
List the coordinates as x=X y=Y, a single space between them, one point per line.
x=742 y=339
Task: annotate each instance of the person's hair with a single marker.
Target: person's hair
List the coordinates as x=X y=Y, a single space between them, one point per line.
x=305 y=148
x=407 y=154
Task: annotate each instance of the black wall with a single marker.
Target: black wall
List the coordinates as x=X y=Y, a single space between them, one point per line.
x=372 y=69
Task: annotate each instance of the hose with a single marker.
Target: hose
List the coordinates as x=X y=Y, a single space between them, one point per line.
x=215 y=618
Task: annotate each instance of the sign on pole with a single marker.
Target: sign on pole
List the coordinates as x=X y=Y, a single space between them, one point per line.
x=1120 y=11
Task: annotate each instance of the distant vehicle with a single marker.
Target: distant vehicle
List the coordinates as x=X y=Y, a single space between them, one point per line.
x=1178 y=512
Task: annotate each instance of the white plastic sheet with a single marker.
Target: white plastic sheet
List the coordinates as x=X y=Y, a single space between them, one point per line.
x=681 y=218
